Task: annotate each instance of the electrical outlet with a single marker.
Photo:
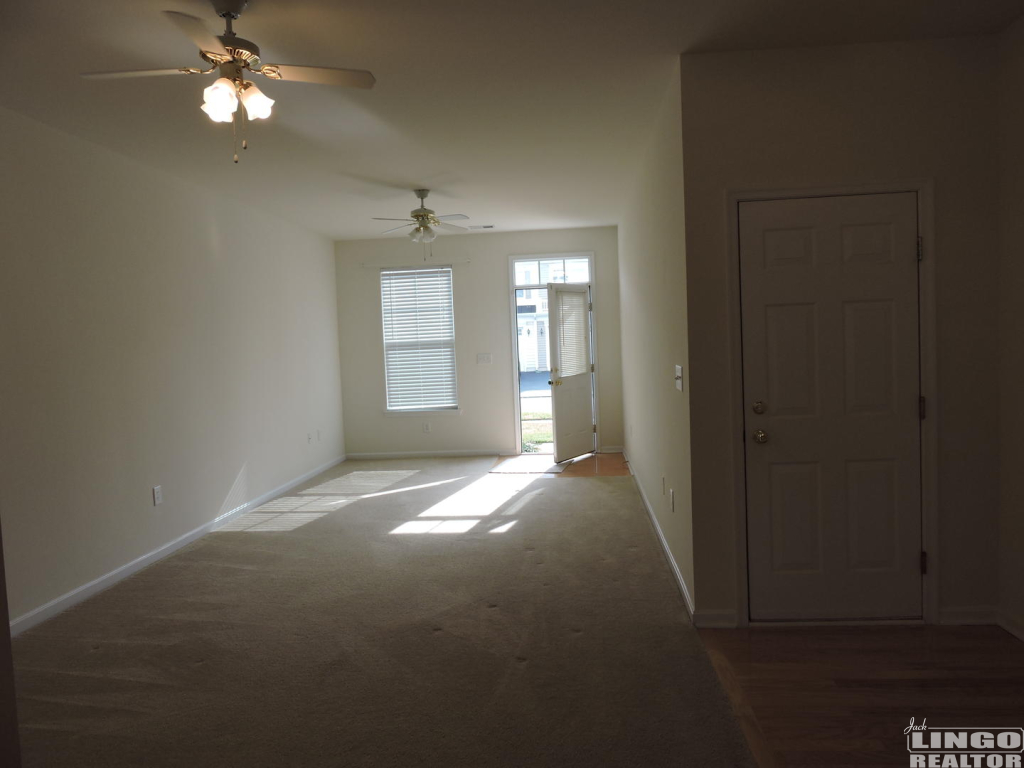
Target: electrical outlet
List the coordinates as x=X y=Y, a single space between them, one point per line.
x=483 y=358
x=426 y=426
x=158 y=495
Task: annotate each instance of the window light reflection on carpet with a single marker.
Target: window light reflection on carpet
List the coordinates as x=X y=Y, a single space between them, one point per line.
x=436 y=526
x=287 y=513
x=257 y=522
x=480 y=498
x=362 y=482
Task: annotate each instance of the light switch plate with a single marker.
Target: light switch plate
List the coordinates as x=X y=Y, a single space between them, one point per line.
x=483 y=358
x=158 y=495
x=679 y=378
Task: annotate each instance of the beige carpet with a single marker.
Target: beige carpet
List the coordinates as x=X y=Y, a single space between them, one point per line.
x=311 y=635
x=529 y=463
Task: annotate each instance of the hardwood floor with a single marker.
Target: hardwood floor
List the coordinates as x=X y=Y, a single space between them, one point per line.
x=832 y=697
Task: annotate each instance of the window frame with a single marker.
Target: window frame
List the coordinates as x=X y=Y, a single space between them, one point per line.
x=454 y=409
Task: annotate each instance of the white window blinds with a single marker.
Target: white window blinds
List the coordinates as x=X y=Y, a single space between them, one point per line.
x=572 y=323
x=419 y=338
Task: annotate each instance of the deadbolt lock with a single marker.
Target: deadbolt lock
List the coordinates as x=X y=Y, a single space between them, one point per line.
x=760 y=436
x=759 y=406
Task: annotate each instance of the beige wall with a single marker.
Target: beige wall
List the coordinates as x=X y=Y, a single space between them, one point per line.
x=1011 y=327
x=483 y=321
x=10 y=747
x=850 y=115
x=151 y=333
x=652 y=278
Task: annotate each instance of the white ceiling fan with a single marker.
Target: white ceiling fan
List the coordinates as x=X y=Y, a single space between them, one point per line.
x=425 y=222
x=233 y=58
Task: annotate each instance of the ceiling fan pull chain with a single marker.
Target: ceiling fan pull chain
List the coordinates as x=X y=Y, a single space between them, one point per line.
x=234 y=134
x=242 y=117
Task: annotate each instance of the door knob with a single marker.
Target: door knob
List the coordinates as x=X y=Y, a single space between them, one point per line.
x=760 y=436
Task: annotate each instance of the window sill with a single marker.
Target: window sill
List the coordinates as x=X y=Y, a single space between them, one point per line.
x=431 y=412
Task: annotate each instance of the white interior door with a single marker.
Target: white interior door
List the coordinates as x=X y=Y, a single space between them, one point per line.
x=572 y=381
x=831 y=386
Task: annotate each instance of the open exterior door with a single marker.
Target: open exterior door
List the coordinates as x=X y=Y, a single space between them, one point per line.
x=572 y=380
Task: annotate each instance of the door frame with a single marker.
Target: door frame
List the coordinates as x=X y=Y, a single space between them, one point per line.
x=517 y=435
x=929 y=380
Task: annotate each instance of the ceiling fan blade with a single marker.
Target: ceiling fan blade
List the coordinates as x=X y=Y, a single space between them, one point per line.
x=451 y=227
x=378 y=218
x=196 y=31
x=453 y=217
x=132 y=73
x=350 y=78
x=395 y=229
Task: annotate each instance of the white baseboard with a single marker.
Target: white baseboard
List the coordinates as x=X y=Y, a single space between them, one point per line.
x=425 y=454
x=1012 y=624
x=971 y=614
x=611 y=449
x=680 y=581
x=77 y=595
x=724 y=618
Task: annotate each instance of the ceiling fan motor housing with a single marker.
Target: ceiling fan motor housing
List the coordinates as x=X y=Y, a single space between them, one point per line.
x=242 y=49
x=243 y=52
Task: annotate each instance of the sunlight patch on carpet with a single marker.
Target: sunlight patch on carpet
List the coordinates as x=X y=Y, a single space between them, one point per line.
x=362 y=482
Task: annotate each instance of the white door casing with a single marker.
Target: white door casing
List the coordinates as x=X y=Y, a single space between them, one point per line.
x=830 y=330
x=572 y=387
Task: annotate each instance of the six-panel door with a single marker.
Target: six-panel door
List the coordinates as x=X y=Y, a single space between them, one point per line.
x=829 y=290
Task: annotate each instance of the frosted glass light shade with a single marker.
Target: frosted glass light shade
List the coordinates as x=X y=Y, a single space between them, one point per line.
x=221 y=100
x=257 y=104
x=423 y=234
x=218 y=115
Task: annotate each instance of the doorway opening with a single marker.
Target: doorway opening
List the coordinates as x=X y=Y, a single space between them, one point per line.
x=536 y=425
x=531 y=276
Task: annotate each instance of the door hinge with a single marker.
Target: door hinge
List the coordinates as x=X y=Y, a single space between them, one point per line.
x=595 y=429
x=591 y=367
x=590 y=306
x=922 y=406
x=920 y=248
x=924 y=562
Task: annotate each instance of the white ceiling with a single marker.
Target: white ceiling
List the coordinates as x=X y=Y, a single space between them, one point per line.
x=525 y=115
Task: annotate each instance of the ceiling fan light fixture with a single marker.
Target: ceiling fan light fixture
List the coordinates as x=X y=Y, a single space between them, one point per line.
x=218 y=115
x=423 y=234
x=257 y=104
x=221 y=100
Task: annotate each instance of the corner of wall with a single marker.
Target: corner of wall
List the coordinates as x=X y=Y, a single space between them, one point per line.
x=654 y=318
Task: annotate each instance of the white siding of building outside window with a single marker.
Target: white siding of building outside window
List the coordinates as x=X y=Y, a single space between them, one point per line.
x=419 y=339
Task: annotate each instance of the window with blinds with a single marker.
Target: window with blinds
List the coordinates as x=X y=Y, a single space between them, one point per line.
x=419 y=338
x=574 y=355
